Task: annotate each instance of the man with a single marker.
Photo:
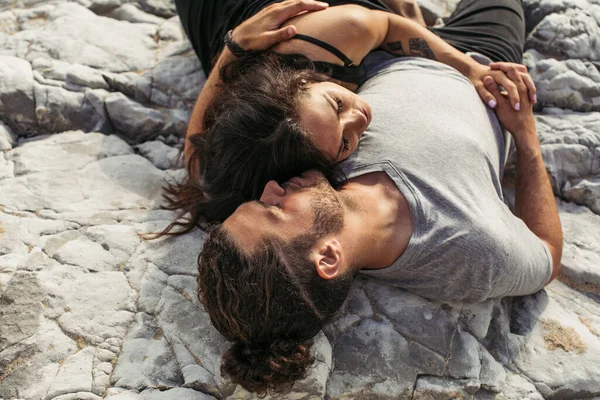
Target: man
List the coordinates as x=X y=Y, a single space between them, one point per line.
x=422 y=210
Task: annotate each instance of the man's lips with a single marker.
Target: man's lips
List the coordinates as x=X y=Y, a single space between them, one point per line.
x=295 y=181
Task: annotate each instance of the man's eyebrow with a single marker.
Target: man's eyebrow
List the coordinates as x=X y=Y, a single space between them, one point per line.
x=262 y=203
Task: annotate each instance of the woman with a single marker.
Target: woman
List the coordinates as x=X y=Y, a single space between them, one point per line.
x=277 y=116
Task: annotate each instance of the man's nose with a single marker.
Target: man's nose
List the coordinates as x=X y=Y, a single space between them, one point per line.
x=272 y=193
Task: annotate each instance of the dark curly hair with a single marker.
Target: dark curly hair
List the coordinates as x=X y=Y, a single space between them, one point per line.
x=269 y=303
x=252 y=136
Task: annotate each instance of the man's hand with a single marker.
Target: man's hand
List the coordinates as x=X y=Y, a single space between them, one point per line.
x=512 y=77
x=263 y=30
x=534 y=200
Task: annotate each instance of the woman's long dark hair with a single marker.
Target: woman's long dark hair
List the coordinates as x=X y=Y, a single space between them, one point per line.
x=252 y=136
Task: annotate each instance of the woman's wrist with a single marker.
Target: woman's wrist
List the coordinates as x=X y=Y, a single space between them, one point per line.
x=237 y=46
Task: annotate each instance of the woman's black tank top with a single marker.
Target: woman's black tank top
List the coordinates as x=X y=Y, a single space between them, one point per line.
x=207 y=21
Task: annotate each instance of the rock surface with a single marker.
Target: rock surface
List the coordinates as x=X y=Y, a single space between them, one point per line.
x=90 y=310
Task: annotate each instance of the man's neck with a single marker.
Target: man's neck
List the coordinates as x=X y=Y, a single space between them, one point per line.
x=378 y=223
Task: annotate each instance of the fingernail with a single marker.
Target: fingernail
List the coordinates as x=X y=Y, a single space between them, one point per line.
x=492 y=104
x=535 y=98
x=517 y=107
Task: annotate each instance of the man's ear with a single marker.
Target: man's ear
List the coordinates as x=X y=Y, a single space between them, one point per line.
x=327 y=257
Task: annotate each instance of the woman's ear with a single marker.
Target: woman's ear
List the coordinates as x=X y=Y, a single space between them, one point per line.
x=327 y=257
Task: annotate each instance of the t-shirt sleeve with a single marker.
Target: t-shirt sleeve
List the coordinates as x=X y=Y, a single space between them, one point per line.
x=528 y=265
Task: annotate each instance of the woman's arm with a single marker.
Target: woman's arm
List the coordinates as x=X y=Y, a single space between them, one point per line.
x=356 y=31
x=403 y=37
x=259 y=32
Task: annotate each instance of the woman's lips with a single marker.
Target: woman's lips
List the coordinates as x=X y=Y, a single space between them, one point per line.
x=366 y=113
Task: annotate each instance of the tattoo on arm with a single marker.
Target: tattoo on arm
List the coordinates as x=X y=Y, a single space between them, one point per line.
x=418 y=47
x=396 y=48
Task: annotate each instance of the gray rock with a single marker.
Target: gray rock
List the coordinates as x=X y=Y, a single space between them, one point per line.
x=426 y=317
x=581 y=252
x=7 y=168
x=7 y=139
x=146 y=359
x=59 y=110
x=185 y=322
x=101 y=7
x=78 y=36
x=434 y=9
x=8 y=22
x=152 y=285
x=570 y=33
x=74 y=77
x=434 y=388
x=159 y=154
x=174 y=394
x=573 y=84
x=133 y=120
x=177 y=80
x=174 y=256
x=493 y=374
x=171 y=31
x=176 y=123
x=70 y=150
x=29 y=367
x=21 y=309
x=17 y=101
x=518 y=387
x=585 y=192
x=95 y=307
x=372 y=360
x=162 y=8
x=78 y=396
x=465 y=360
x=75 y=375
x=82 y=75
x=130 y=13
x=554 y=340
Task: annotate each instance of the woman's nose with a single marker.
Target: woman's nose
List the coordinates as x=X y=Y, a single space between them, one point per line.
x=272 y=193
x=356 y=122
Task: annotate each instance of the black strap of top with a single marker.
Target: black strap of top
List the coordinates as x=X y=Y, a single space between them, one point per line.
x=347 y=62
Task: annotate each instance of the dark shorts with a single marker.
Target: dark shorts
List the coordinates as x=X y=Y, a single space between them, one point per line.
x=494 y=28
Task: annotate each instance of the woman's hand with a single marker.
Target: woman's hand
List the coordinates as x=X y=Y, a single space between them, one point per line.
x=520 y=123
x=263 y=30
x=514 y=78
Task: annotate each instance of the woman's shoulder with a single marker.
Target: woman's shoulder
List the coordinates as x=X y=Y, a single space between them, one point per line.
x=352 y=29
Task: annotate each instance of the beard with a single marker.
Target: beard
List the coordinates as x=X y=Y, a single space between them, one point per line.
x=328 y=213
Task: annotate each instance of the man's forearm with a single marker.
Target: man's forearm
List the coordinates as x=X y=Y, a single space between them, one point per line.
x=534 y=200
x=211 y=89
x=407 y=38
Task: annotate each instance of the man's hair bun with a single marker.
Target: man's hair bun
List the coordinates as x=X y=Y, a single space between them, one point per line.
x=267 y=367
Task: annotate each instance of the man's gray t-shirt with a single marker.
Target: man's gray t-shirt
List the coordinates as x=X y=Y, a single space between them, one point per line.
x=444 y=149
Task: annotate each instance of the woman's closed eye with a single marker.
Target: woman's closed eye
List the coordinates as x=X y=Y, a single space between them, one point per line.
x=340 y=105
x=346 y=144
